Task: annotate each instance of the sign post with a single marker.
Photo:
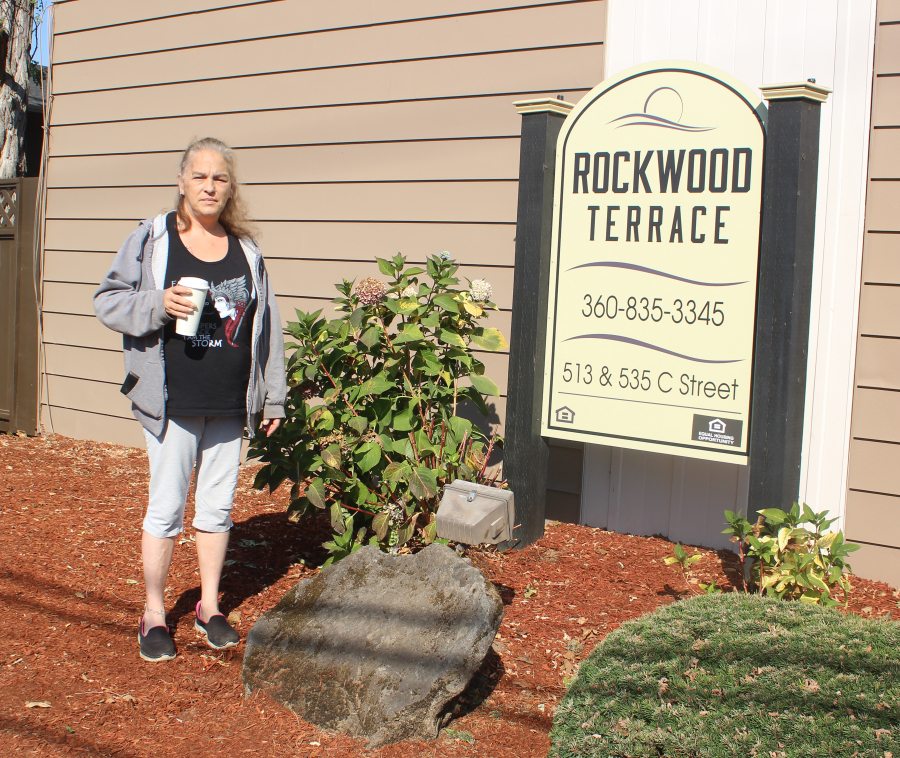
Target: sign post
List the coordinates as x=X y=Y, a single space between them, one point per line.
x=525 y=461
x=785 y=284
x=654 y=262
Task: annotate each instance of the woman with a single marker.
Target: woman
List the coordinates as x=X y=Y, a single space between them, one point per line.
x=195 y=395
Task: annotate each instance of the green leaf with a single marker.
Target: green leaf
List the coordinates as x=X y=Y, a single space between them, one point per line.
x=423 y=483
x=430 y=532
x=432 y=320
x=356 y=318
x=410 y=333
x=358 y=424
x=331 y=456
x=380 y=525
x=377 y=385
x=316 y=493
x=451 y=338
x=395 y=471
x=404 y=534
x=403 y=420
x=484 y=385
x=372 y=336
x=414 y=271
x=447 y=303
x=407 y=305
x=423 y=443
x=489 y=339
x=370 y=459
x=385 y=267
x=774 y=516
x=337 y=518
x=460 y=426
x=477 y=400
x=324 y=421
x=262 y=477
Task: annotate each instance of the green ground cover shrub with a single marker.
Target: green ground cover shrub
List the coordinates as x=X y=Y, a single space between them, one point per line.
x=737 y=675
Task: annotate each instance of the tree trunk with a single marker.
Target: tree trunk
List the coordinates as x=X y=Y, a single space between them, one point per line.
x=17 y=21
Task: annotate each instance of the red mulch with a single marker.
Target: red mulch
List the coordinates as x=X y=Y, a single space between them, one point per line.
x=71 y=594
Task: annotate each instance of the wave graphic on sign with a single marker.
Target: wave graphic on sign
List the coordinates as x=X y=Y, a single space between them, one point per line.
x=630 y=341
x=668 y=108
x=645 y=270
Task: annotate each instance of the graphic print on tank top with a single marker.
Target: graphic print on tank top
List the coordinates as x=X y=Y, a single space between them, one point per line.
x=226 y=306
x=231 y=298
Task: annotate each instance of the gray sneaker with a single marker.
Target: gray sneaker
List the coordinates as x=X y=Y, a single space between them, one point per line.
x=218 y=632
x=156 y=644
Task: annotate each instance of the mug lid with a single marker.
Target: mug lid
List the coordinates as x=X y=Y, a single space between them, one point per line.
x=194 y=283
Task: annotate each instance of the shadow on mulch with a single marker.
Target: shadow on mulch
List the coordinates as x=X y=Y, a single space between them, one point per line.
x=264 y=548
x=483 y=683
x=669 y=591
x=507 y=594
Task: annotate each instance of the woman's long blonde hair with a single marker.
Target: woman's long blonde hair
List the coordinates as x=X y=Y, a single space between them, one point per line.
x=234 y=218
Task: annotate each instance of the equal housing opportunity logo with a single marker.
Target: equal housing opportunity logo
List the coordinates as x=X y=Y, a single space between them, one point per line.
x=720 y=431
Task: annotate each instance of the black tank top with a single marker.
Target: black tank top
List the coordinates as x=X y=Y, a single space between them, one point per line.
x=207 y=375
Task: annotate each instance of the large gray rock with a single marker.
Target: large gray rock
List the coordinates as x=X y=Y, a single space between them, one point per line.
x=376 y=645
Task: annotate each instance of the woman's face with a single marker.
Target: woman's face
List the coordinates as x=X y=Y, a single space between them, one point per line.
x=206 y=184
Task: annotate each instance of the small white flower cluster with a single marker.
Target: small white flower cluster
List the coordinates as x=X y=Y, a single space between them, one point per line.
x=445 y=255
x=480 y=290
x=411 y=291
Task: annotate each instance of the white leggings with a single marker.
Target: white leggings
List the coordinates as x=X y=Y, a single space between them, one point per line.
x=212 y=443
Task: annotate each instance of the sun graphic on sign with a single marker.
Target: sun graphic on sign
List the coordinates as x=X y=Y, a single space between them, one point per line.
x=666 y=103
x=663 y=108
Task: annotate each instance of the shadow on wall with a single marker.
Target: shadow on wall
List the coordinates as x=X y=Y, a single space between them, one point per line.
x=487 y=425
x=564 y=468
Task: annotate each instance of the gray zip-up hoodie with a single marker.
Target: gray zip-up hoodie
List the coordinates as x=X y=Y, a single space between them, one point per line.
x=130 y=301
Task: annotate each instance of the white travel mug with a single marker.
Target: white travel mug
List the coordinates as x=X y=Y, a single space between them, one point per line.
x=187 y=326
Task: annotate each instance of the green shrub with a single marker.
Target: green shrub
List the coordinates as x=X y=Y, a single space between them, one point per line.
x=791 y=561
x=372 y=431
x=736 y=675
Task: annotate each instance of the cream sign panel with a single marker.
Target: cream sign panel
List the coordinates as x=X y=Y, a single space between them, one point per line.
x=654 y=264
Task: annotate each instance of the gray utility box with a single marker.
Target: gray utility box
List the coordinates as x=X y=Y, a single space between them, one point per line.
x=475 y=513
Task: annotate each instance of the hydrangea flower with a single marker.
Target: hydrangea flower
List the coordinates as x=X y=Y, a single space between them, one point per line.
x=445 y=255
x=411 y=290
x=480 y=290
x=370 y=291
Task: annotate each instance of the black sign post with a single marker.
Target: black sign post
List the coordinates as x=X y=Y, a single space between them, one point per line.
x=525 y=461
x=785 y=283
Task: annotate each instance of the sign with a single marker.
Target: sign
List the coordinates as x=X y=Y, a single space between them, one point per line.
x=655 y=249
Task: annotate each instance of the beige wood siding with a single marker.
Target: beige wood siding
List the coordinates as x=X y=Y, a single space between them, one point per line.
x=873 y=500
x=360 y=129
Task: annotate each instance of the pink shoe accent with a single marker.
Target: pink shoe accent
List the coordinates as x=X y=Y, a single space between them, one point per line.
x=143 y=633
x=200 y=618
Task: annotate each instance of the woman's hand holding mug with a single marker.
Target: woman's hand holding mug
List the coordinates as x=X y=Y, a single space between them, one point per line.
x=178 y=306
